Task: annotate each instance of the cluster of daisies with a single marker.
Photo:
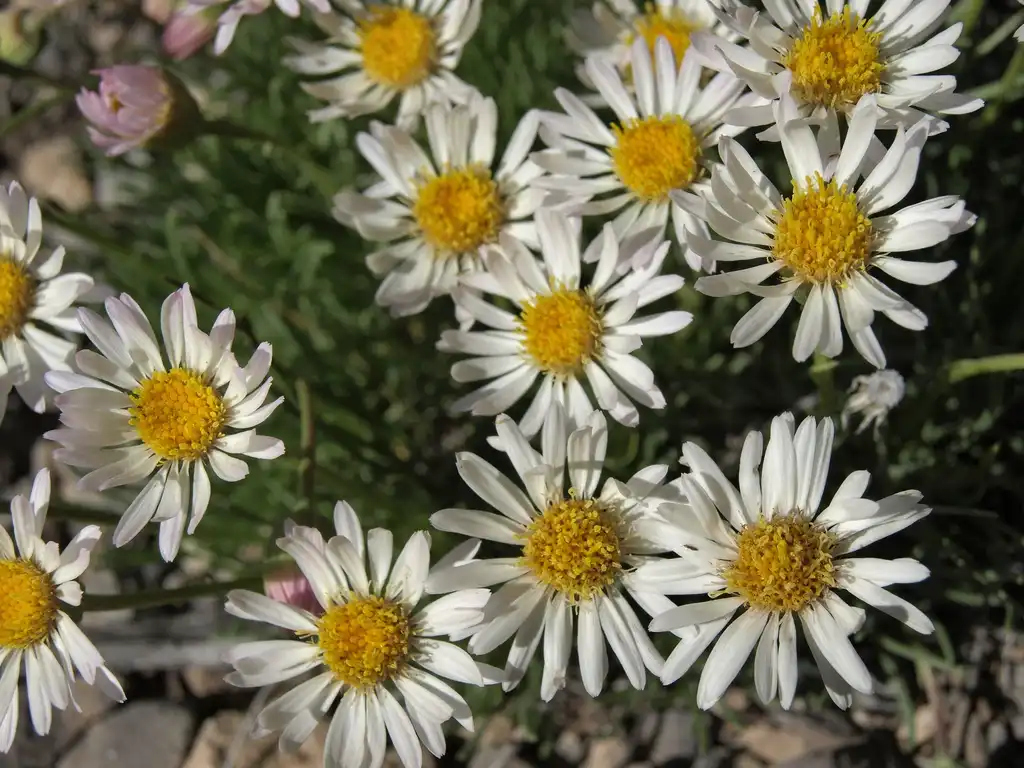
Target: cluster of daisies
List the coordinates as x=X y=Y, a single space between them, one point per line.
x=647 y=147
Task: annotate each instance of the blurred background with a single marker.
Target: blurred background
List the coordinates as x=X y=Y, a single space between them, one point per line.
x=247 y=223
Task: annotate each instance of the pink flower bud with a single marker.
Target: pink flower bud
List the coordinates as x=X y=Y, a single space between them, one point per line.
x=288 y=585
x=137 y=106
x=186 y=33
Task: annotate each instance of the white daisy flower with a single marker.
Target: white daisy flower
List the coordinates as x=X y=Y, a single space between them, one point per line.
x=564 y=328
x=610 y=27
x=369 y=644
x=128 y=416
x=382 y=49
x=1019 y=34
x=834 y=57
x=824 y=240
x=229 y=18
x=34 y=580
x=436 y=213
x=659 y=143
x=767 y=551
x=872 y=397
x=577 y=550
x=33 y=295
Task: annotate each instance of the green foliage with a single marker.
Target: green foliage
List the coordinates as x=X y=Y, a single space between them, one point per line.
x=247 y=223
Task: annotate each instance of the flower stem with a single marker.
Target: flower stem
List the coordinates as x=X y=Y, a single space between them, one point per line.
x=156 y=597
x=24 y=74
x=307 y=448
x=965 y=369
x=822 y=372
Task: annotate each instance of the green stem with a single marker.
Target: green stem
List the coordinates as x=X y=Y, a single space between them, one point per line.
x=32 y=111
x=822 y=373
x=157 y=597
x=307 y=457
x=75 y=225
x=965 y=369
x=60 y=511
x=24 y=74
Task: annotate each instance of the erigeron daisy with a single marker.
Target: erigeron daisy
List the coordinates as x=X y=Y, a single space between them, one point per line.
x=872 y=397
x=33 y=295
x=767 y=552
x=564 y=328
x=35 y=579
x=434 y=214
x=368 y=644
x=382 y=49
x=659 y=143
x=833 y=58
x=131 y=413
x=610 y=27
x=577 y=550
x=825 y=239
x=229 y=18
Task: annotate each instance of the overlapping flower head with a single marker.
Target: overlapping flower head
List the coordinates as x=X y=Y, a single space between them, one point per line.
x=565 y=328
x=134 y=412
x=436 y=213
x=370 y=643
x=609 y=28
x=658 y=144
x=36 y=581
x=231 y=12
x=767 y=552
x=830 y=57
x=824 y=240
x=379 y=50
x=578 y=548
x=37 y=302
x=872 y=397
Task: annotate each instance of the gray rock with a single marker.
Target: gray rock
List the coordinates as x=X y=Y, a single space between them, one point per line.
x=675 y=739
x=824 y=759
x=569 y=746
x=610 y=752
x=155 y=734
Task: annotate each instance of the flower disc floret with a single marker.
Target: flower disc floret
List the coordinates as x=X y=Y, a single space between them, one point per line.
x=784 y=564
x=17 y=290
x=460 y=210
x=654 y=155
x=562 y=331
x=399 y=46
x=574 y=548
x=177 y=414
x=364 y=641
x=28 y=604
x=836 y=60
x=821 y=234
x=671 y=23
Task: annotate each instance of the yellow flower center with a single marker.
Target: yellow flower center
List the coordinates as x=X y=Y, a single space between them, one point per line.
x=17 y=290
x=672 y=24
x=177 y=414
x=654 y=155
x=460 y=210
x=783 y=564
x=399 y=46
x=835 y=61
x=821 y=233
x=364 y=642
x=28 y=604
x=562 y=331
x=574 y=548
